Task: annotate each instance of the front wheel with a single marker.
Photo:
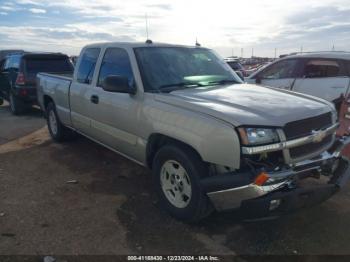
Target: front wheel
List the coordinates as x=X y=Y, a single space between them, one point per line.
x=58 y=131
x=177 y=171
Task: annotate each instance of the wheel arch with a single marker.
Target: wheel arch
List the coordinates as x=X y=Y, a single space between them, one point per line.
x=47 y=99
x=157 y=140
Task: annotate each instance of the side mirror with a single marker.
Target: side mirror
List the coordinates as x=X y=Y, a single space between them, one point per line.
x=240 y=74
x=118 y=84
x=258 y=80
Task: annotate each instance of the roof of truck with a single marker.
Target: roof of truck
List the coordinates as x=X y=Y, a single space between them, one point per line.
x=136 y=44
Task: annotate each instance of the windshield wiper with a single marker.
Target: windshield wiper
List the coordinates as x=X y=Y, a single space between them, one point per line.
x=223 y=82
x=177 y=86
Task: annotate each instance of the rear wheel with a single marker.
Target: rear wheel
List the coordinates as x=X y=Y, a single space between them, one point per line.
x=16 y=105
x=177 y=171
x=58 y=131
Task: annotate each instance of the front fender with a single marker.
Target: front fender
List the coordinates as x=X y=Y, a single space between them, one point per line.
x=215 y=141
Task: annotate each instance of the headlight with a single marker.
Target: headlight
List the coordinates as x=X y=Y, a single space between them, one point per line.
x=252 y=136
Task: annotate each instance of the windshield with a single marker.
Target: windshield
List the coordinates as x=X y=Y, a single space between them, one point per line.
x=181 y=67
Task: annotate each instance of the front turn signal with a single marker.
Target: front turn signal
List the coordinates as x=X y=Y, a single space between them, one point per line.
x=261 y=179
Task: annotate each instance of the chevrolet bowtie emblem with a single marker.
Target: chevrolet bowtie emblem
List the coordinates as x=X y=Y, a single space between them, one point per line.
x=317 y=136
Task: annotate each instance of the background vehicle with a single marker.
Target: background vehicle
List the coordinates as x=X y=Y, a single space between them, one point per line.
x=18 y=76
x=211 y=141
x=237 y=67
x=4 y=53
x=322 y=74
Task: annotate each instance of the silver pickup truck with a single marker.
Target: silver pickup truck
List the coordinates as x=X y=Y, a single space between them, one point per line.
x=211 y=141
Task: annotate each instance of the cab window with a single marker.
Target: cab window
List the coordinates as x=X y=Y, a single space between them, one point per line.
x=87 y=65
x=279 y=70
x=322 y=68
x=115 y=62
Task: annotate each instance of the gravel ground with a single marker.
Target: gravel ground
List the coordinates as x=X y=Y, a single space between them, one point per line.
x=80 y=198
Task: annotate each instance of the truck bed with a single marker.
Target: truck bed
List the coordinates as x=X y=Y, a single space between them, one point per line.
x=66 y=76
x=56 y=86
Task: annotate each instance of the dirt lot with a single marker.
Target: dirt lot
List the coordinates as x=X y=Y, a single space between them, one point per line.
x=109 y=206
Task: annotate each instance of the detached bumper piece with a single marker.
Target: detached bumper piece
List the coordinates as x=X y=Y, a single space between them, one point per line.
x=302 y=185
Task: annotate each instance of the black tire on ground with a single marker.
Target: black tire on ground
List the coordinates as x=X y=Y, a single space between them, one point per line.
x=17 y=107
x=199 y=205
x=58 y=131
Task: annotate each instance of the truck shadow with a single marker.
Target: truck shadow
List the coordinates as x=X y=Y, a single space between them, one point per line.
x=149 y=228
x=33 y=111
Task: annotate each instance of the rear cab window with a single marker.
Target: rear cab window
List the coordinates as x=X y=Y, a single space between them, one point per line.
x=87 y=65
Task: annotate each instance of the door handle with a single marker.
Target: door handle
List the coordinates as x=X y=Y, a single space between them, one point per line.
x=94 y=99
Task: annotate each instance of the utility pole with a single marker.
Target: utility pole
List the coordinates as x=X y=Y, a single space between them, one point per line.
x=252 y=52
x=146 y=20
x=275 y=52
x=333 y=49
x=242 y=52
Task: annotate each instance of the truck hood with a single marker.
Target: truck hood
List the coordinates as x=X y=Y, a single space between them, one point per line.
x=244 y=104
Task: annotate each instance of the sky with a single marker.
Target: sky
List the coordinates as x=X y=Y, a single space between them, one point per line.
x=255 y=27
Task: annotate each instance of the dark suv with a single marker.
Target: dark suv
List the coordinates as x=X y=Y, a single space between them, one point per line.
x=18 y=76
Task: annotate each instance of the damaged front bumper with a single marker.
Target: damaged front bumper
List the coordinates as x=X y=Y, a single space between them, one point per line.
x=286 y=189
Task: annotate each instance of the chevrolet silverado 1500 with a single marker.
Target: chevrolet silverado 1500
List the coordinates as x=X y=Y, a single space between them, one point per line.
x=211 y=141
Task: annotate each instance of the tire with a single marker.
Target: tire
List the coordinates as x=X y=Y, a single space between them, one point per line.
x=58 y=131
x=16 y=105
x=192 y=205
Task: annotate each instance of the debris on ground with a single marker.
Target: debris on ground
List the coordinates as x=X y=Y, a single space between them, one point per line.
x=8 y=234
x=49 y=259
x=72 y=181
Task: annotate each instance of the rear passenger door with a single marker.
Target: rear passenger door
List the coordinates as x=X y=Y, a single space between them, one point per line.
x=324 y=78
x=281 y=74
x=81 y=88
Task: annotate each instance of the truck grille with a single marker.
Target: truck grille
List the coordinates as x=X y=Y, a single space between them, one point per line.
x=309 y=148
x=304 y=127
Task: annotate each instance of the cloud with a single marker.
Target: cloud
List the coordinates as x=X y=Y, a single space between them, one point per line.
x=223 y=25
x=68 y=39
x=8 y=8
x=3 y=13
x=160 y=6
x=37 y=11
